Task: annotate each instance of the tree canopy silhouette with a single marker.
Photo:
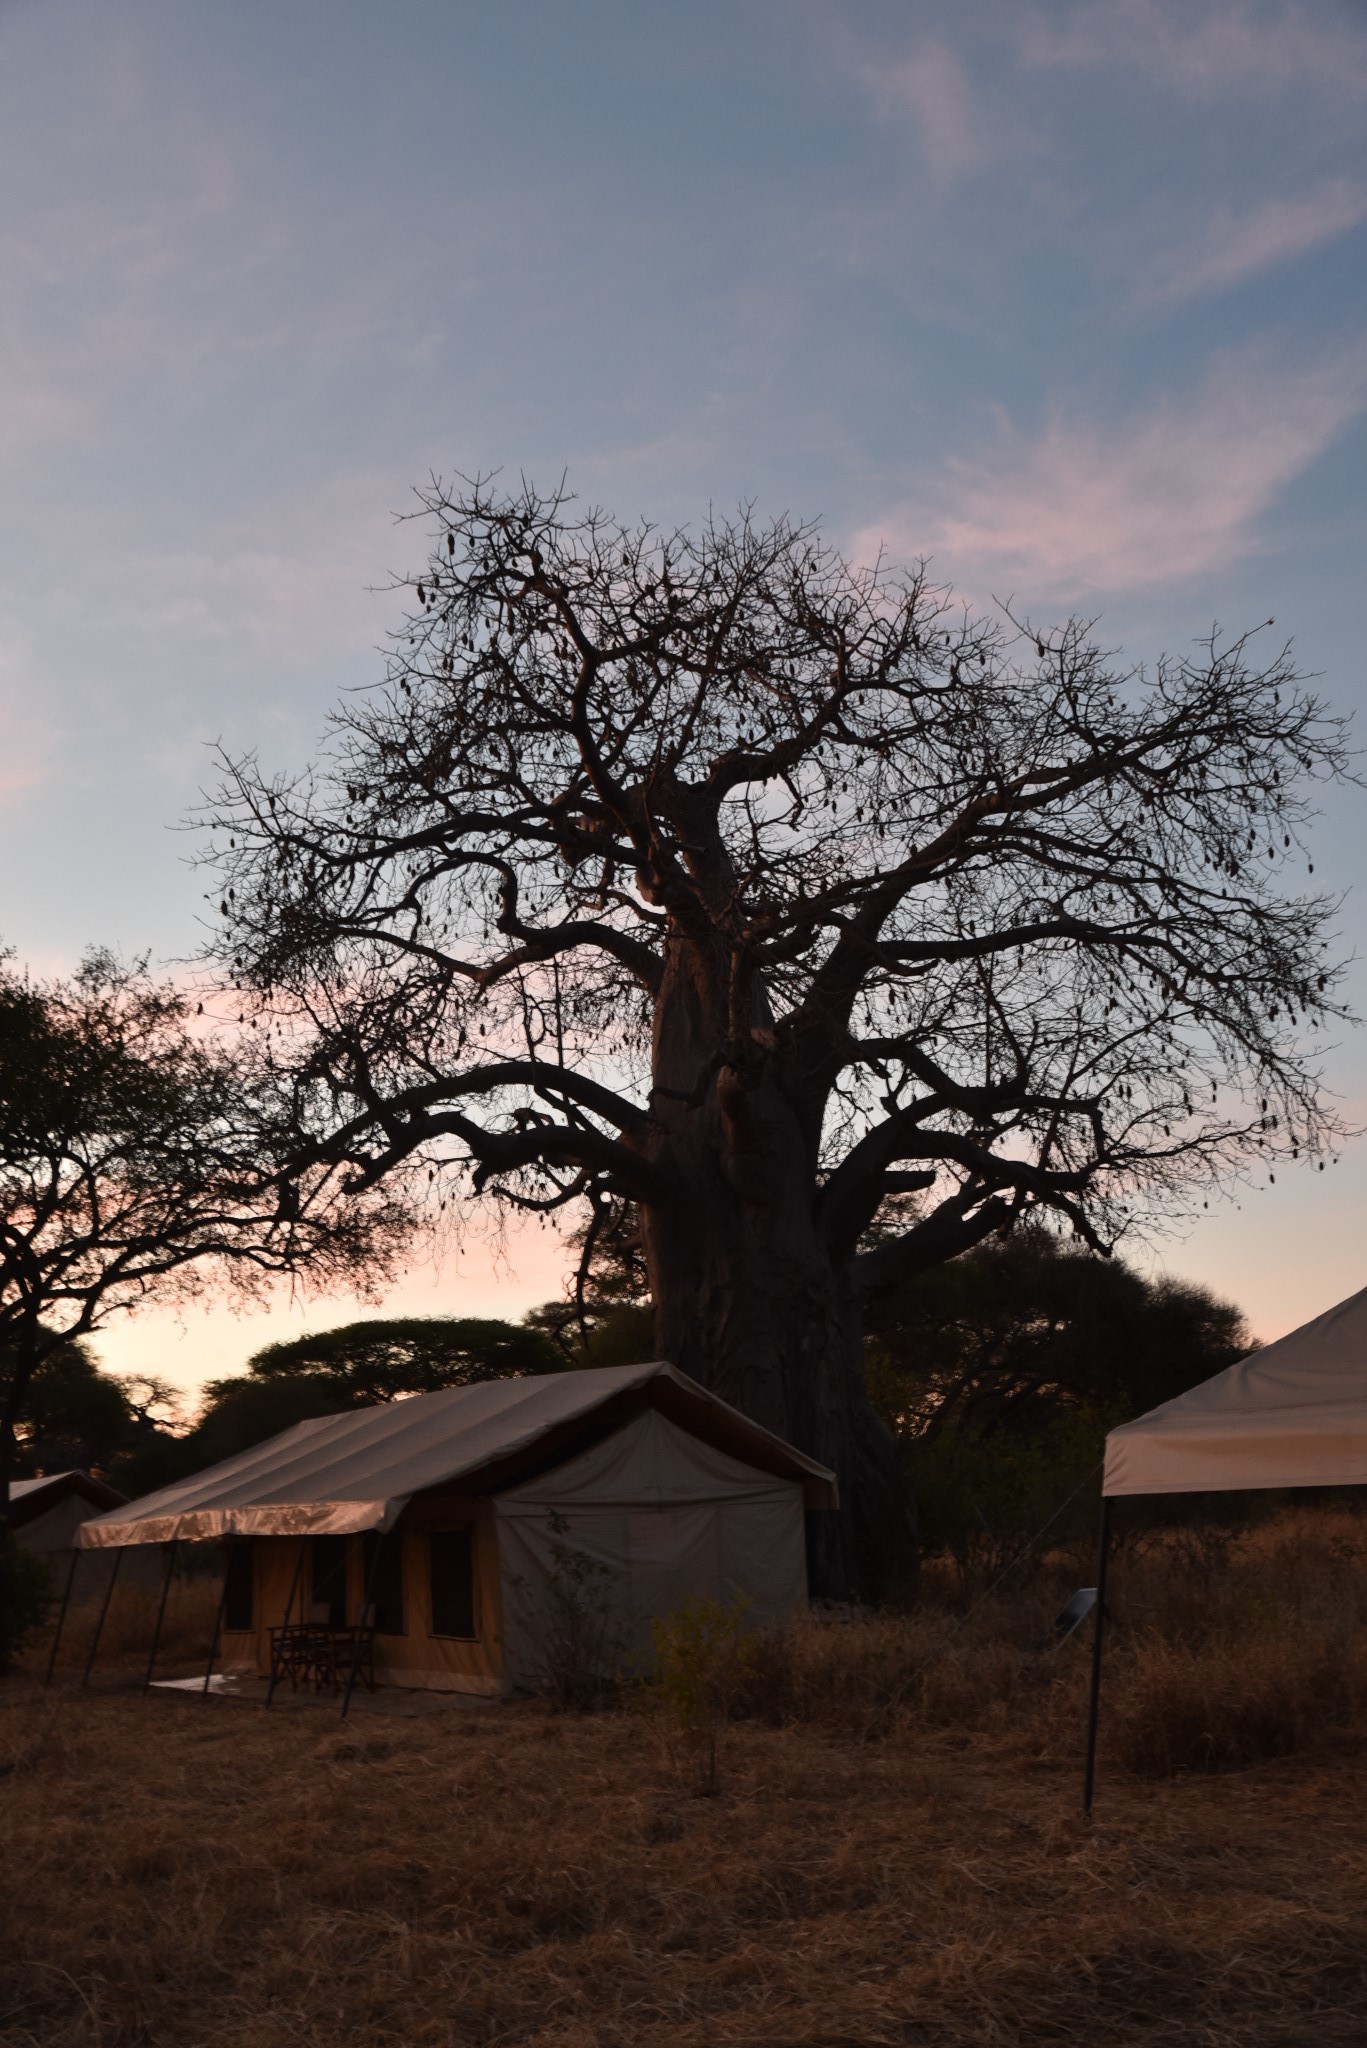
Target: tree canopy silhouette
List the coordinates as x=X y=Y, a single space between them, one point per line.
x=1024 y=1330
x=382 y=1359
x=72 y=1415
x=142 y=1158
x=710 y=871
x=1002 y=1370
x=386 y=1357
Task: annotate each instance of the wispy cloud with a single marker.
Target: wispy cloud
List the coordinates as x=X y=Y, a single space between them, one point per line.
x=932 y=87
x=1207 y=51
x=29 y=740
x=1238 y=246
x=1082 y=508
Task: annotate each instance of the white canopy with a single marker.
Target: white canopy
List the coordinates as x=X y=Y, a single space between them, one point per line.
x=1292 y=1414
x=342 y=1473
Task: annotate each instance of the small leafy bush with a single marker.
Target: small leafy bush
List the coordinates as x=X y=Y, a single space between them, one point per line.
x=26 y=1595
x=704 y=1655
x=581 y=1648
x=980 y=1500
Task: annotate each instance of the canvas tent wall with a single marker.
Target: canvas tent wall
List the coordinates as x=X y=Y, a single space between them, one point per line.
x=662 y=1486
x=1292 y=1414
x=659 y=1517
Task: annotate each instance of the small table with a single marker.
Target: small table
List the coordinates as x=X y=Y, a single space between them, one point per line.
x=322 y=1655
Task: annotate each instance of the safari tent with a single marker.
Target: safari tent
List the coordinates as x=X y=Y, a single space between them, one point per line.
x=1292 y=1414
x=46 y=1514
x=455 y=1520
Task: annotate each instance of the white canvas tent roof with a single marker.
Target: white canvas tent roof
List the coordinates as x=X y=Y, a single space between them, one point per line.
x=49 y=1488
x=341 y=1473
x=1292 y=1414
x=20 y=1489
x=73 y=1480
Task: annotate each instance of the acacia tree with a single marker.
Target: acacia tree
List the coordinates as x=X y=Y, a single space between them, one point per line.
x=354 y=1367
x=142 y=1158
x=709 y=871
x=1025 y=1331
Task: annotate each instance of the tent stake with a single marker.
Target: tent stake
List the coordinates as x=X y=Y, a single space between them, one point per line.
x=289 y=1609
x=61 y=1613
x=1098 y=1632
x=171 y=1549
x=218 y=1618
x=104 y=1609
x=360 y=1632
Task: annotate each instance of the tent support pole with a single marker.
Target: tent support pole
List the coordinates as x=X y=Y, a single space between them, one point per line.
x=104 y=1609
x=359 y=1643
x=218 y=1618
x=289 y=1609
x=61 y=1613
x=171 y=1550
x=1098 y=1634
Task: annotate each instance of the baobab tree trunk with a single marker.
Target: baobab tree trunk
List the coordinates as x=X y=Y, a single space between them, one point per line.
x=757 y=1313
x=749 y=1301
x=24 y=1357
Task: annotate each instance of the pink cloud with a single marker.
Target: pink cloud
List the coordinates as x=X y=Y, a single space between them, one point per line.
x=1284 y=228
x=1173 y=493
x=28 y=737
x=932 y=87
x=1205 y=51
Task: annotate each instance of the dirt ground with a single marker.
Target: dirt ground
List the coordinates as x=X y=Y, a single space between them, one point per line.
x=187 y=1873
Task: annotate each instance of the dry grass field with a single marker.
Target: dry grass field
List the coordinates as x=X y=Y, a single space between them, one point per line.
x=895 y=1853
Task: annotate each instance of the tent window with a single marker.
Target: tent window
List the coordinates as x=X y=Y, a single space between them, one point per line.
x=237 y=1604
x=329 y=1580
x=452 y=1561
x=387 y=1587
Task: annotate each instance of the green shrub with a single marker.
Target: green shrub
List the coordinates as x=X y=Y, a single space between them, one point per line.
x=703 y=1656
x=981 y=1498
x=581 y=1647
x=26 y=1596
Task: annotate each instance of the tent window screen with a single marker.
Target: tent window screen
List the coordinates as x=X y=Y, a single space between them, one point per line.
x=328 y=1583
x=452 y=1563
x=237 y=1601
x=386 y=1584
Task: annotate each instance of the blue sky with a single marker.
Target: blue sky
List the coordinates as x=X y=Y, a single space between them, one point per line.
x=1071 y=298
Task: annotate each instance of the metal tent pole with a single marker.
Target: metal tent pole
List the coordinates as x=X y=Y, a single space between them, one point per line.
x=359 y=1643
x=104 y=1609
x=289 y=1609
x=61 y=1613
x=171 y=1550
x=1098 y=1633
x=218 y=1618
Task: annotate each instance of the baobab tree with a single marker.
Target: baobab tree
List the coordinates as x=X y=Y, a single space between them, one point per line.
x=710 y=872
